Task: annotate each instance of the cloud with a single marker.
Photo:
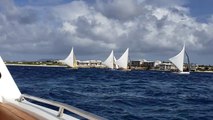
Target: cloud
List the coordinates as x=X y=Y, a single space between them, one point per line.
x=148 y=27
x=119 y=9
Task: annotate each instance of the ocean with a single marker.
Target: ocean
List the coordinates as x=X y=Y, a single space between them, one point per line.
x=120 y=95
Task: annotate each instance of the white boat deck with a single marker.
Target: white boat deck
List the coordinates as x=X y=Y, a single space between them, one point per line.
x=9 y=112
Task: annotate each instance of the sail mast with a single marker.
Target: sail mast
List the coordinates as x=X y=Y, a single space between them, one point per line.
x=189 y=64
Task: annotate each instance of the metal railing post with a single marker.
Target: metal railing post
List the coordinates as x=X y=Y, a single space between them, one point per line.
x=60 y=112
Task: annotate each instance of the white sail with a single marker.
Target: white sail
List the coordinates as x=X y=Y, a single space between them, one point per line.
x=8 y=87
x=71 y=60
x=179 y=59
x=122 y=62
x=115 y=65
x=109 y=62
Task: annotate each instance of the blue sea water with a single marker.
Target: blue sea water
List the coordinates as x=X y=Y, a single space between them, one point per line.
x=119 y=95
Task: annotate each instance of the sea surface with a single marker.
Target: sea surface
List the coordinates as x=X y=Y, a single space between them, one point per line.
x=119 y=95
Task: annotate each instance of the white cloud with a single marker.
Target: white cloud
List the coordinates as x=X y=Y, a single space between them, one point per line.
x=146 y=26
x=119 y=9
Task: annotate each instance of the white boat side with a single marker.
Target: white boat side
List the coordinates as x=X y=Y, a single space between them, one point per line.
x=8 y=88
x=184 y=73
x=122 y=62
x=10 y=94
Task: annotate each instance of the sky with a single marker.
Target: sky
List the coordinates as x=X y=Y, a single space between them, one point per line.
x=151 y=29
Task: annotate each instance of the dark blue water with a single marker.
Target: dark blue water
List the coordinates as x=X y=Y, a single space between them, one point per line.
x=117 y=95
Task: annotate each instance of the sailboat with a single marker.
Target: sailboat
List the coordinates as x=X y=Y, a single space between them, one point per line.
x=178 y=61
x=15 y=106
x=115 y=65
x=110 y=61
x=70 y=61
x=122 y=62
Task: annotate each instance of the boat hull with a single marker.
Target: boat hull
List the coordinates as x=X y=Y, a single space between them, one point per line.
x=182 y=73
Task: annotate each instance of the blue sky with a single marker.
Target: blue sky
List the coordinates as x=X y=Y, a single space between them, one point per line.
x=40 y=2
x=152 y=29
x=200 y=9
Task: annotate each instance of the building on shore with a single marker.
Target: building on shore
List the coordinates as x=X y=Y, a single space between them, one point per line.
x=135 y=64
x=90 y=64
x=166 y=66
x=144 y=64
x=194 y=67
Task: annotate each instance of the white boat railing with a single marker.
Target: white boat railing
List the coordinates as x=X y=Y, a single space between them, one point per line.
x=63 y=107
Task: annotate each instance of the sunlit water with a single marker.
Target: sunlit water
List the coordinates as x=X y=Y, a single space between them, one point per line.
x=118 y=95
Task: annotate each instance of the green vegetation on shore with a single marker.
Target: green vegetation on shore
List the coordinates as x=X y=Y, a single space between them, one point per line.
x=35 y=63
